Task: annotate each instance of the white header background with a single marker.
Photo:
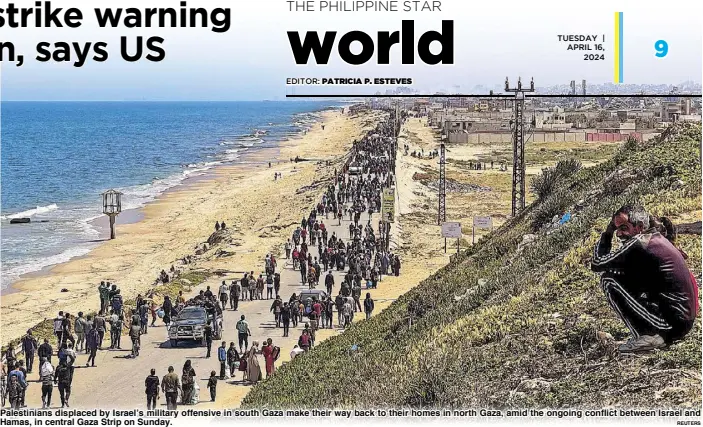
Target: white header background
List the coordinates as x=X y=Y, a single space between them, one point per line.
x=492 y=40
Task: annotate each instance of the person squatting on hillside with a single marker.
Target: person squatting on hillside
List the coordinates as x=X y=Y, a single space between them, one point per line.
x=646 y=281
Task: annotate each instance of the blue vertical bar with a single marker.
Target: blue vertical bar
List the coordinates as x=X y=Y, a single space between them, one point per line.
x=620 y=49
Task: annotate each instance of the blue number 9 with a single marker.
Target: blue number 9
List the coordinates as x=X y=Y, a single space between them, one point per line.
x=662 y=48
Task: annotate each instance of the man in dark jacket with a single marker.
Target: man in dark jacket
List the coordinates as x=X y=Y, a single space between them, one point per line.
x=232 y=357
x=152 y=389
x=646 y=281
x=167 y=307
x=285 y=318
x=29 y=346
x=92 y=341
x=329 y=282
x=45 y=350
x=368 y=305
x=207 y=334
x=63 y=377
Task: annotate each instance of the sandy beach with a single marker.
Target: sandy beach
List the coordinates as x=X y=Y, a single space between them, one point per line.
x=258 y=209
x=260 y=213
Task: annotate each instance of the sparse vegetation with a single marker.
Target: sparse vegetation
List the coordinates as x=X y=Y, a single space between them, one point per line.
x=503 y=329
x=543 y=185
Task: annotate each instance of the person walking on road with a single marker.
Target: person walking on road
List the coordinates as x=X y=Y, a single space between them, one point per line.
x=151 y=383
x=46 y=375
x=207 y=335
x=188 y=383
x=222 y=357
x=63 y=377
x=244 y=334
x=368 y=305
x=29 y=346
x=212 y=385
x=81 y=327
x=235 y=290
x=232 y=359
x=171 y=385
x=285 y=318
x=92 y=340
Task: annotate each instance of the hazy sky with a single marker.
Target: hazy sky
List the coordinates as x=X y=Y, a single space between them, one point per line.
x=252 y=60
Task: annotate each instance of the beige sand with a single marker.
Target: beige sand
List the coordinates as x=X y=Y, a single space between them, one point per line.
x=244 y=196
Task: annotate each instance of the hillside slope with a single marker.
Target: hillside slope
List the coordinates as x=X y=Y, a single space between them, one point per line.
x=504 y=326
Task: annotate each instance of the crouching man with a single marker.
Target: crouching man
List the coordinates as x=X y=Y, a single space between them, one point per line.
x=646 y=281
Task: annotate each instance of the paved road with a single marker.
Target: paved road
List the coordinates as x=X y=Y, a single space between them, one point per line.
x=118 y=381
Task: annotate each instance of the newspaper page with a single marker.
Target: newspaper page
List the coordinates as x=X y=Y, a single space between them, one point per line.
x=382 y=212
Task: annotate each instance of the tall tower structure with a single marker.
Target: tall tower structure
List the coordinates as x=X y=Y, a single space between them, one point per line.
x=519 y=144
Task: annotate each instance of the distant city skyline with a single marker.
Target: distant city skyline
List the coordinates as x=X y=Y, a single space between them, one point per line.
x=253 y=59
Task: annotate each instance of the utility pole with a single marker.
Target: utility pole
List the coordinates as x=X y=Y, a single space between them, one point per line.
x=519 y=145
x=442 y=209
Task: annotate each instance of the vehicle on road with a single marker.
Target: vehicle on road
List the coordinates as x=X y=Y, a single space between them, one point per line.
x=355 y=169
x=313 y=294
x=190 y=323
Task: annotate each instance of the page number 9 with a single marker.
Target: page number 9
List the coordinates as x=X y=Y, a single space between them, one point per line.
x=662 y=48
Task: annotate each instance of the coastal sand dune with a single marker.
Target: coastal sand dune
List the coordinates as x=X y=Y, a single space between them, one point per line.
x=246 y=196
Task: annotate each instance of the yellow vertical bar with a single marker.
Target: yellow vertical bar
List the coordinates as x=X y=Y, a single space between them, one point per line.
x=616 y=46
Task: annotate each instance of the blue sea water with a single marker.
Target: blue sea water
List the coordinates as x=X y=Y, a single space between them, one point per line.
x=57 y=157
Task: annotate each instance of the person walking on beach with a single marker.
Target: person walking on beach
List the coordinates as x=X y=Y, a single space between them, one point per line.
x=63 y=377
x=58 y=328
x=99 y=324
x=244 y=334
x=151 y=384
x=92 y=341
x=104 y=295
x=115 y=330
x=46 y=375
x=45 y=350
x=135 y=332
x=29 y=346
x=80 y=326
x=171 y=385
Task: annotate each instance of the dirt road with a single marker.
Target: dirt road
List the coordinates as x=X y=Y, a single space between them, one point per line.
x=118 y=380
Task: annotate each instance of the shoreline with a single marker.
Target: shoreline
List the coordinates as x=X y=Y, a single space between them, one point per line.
x=143 y=248
x=134 y=215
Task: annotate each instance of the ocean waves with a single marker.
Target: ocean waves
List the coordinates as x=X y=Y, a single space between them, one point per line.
x=165 y=146
x=31 y=212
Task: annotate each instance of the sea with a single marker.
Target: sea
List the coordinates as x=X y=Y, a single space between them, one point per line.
x=56 y=158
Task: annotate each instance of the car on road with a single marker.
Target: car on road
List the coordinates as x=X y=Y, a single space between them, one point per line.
x=313 y=294
x=355 y=169
x=190 y=323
